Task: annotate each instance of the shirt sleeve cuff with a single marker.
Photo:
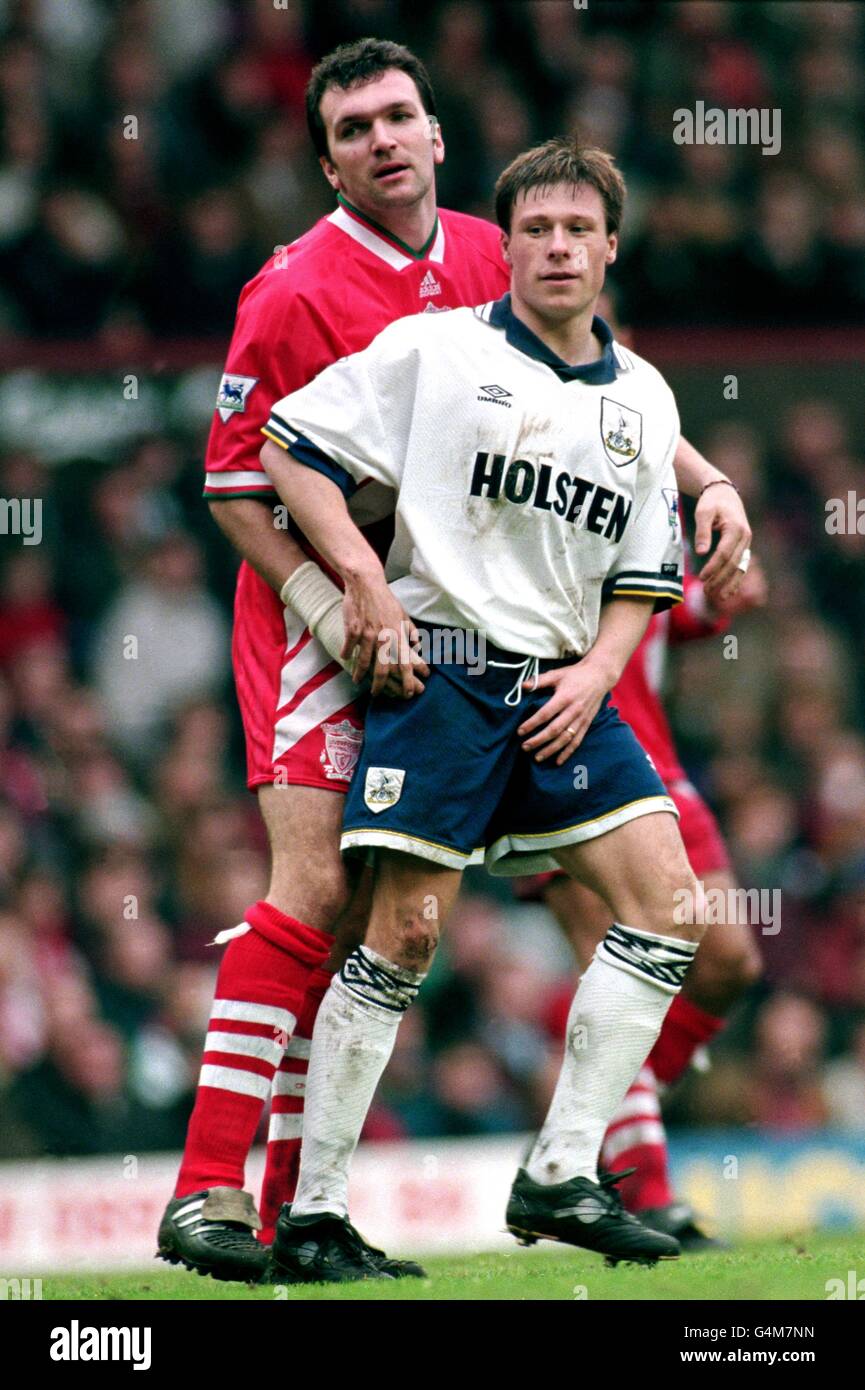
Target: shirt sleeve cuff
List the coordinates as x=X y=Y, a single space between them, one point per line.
x=665 y=589
x=309 y=454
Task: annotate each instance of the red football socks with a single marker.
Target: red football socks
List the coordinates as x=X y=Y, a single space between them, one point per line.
x=286 y=1111
x=636 y=1138
x=686 y=1028
x=260 y=992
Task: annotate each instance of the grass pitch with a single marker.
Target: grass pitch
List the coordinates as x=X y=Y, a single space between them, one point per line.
x=791 y=1268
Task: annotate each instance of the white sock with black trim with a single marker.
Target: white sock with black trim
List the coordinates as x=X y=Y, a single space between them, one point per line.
x=617 y=1013
x=352 y=1042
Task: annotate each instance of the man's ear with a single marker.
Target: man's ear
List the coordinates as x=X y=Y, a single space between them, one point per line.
x=506 y=241
x=612 y=248
x=330 y=173
x=435 y=135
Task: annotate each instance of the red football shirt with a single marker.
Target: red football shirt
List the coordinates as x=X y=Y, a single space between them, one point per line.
x=637 y=695
x=323 y=297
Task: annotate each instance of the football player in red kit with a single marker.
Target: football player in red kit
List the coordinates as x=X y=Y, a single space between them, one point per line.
x=384 y=252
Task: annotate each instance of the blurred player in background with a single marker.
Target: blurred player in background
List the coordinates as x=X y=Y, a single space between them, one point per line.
x=384 y=253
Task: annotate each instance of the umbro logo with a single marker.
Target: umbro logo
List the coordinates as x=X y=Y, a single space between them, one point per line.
x=429 y=285
x=496 y=395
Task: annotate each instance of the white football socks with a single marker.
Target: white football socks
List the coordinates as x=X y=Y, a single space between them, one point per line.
x=352 y=1042
x=617 y=1013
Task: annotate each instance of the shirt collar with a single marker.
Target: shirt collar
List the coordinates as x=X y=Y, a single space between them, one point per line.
x=601 y=372
x=385 y=235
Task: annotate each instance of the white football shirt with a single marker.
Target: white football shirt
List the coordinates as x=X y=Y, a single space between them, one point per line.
x=527 y=491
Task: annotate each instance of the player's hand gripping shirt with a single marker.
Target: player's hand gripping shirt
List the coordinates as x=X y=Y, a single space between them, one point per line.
x=527 y=490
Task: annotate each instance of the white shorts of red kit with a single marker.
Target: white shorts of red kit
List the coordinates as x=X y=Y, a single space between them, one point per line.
x=301 y=717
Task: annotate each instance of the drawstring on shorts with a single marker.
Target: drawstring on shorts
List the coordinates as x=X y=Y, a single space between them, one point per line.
x=529 y=671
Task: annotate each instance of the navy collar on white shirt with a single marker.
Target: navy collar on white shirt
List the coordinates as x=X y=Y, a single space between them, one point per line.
x=601 y=372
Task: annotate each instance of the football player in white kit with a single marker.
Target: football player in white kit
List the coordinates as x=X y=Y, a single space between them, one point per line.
x=536 y=504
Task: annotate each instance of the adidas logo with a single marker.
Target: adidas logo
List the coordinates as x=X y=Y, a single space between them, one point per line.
x=429 y=286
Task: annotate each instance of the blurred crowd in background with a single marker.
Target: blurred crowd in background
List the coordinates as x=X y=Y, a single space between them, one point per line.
x=127 y=838
x=152 y=154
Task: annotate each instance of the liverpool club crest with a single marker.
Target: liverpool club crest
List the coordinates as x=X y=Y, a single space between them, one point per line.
x=342 y=744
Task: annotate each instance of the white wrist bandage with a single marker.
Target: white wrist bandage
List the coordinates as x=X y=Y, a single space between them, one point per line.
x=317 y=600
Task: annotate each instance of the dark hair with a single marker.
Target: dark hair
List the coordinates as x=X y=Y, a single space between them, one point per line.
x=561 y=161
x=353 y=64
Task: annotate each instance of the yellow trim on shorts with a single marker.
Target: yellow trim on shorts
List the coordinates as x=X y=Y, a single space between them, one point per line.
x=514 y=849
x=411 y=839
x=581 y=824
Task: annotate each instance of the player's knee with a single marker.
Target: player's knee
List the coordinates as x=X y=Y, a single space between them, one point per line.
x=745 y=968
x=333 y=895
x=674 y=906
x=317 y=893
x=414 y=941
x=722 y=976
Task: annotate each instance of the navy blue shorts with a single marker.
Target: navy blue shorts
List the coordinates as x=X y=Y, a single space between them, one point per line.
x=444 y=776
